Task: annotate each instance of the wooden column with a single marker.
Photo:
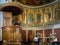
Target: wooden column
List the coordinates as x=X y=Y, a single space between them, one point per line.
x=7 y=19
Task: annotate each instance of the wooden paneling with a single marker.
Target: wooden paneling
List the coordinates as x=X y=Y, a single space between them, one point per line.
x=57 y=31
x=23 y=35
x=30 y=35
x=9 y=33
x=48 y=32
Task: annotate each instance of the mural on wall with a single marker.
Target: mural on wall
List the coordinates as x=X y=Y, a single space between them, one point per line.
x=34 y=2
x=48 y=15
x=38 y=18
x=30 y=18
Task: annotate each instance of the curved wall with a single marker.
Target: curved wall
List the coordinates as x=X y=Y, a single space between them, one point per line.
x=39 y=18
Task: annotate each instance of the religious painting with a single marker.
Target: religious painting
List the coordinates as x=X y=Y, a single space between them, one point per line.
x=30 y=18
x=38 y=18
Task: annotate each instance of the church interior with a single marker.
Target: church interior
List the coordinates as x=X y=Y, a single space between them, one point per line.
x=26 y=21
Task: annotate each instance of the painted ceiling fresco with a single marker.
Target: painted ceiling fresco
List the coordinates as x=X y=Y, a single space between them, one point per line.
x=35 y=2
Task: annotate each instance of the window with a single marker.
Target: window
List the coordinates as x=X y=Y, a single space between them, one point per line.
x=1 y=24
x=2 y=1
x=5 y=1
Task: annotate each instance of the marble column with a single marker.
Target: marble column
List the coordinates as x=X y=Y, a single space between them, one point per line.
x=43 y=35
x=26 y=35
x=26 y=16
x=43 y=9
x=35 y=16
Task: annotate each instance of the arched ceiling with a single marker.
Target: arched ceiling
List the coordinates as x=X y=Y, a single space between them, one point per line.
x=35 y=2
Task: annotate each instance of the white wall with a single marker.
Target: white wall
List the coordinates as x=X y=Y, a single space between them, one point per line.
x=1 y=24
x=56 y=26
x=2 y=1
